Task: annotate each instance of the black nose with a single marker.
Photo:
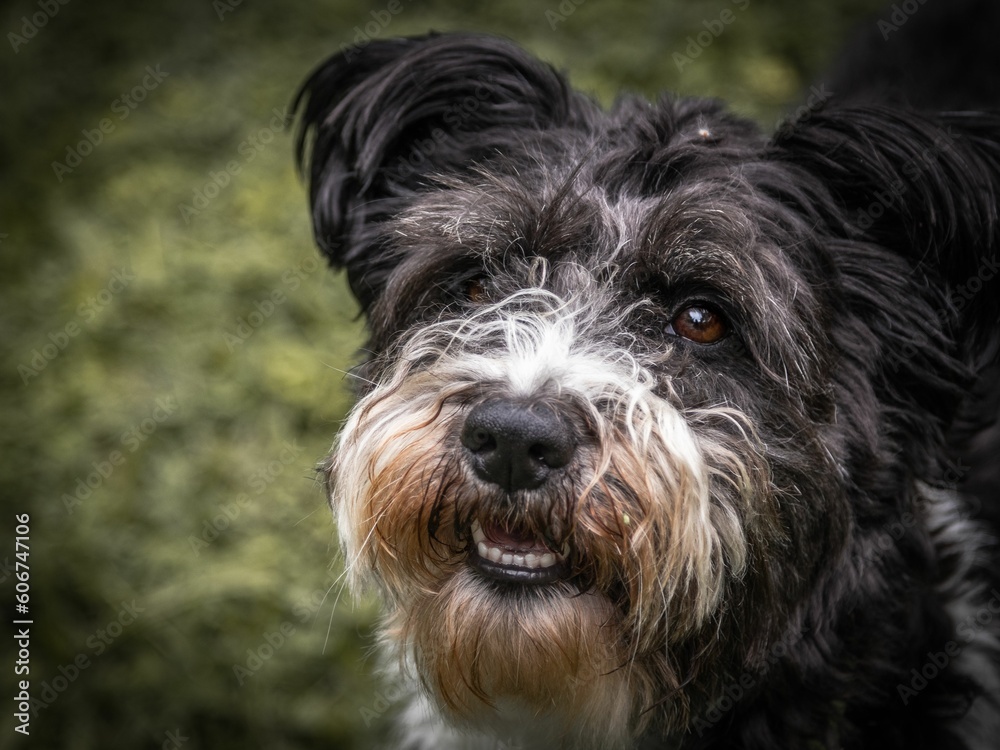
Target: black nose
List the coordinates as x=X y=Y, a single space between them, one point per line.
x=516 y=445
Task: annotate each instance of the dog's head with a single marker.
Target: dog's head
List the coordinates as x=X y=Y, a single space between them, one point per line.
x=639 y=379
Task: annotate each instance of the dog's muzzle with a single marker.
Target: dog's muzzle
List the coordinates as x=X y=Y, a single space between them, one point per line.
x=516 y=446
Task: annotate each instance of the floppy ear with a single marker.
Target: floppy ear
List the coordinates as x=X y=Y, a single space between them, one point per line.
x=380 y=121
x=926 y=188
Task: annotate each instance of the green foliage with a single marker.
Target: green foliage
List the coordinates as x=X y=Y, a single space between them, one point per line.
x=173 y=375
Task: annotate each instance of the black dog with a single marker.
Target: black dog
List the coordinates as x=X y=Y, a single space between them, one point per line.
x=656 y=443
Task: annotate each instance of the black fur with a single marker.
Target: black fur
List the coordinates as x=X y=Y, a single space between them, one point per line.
x=841 y=250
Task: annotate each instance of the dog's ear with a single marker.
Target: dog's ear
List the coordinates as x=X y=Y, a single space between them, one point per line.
x=924 y=187
x=379 y=122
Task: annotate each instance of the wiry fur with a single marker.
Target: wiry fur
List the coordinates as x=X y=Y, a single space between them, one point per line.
x=759 y=548
x=398 y=472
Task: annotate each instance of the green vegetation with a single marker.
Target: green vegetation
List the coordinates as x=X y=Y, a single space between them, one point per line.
x=175 y=354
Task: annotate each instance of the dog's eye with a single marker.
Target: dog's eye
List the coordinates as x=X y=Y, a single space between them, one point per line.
x=698 y=323
x=475 y=290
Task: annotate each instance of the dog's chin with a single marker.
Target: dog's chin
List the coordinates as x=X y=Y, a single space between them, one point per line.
x=496 y=639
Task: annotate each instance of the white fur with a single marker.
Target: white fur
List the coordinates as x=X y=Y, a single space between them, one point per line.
x=529 y=344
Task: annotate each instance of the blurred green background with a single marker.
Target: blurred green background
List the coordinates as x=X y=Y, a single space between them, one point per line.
x=174 y=354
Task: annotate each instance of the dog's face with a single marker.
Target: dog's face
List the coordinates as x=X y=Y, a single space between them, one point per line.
x=638 y=381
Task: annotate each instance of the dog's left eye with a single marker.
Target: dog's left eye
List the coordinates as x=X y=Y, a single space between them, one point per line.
x=698 y=323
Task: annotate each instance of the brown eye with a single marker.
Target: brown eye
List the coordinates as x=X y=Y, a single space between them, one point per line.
x=699 y=324
x=475 y=290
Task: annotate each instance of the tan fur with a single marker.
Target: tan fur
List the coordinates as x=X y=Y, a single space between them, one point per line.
x=639 y=517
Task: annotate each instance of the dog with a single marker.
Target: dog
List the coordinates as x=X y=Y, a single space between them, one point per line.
x=656 y=434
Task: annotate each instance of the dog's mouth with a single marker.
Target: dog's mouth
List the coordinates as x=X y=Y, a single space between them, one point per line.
x=515 y=555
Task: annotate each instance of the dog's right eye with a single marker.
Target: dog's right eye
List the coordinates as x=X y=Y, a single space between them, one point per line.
x=474 y=290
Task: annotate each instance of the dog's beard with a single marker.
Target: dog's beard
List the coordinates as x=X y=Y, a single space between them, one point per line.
x=647 y=524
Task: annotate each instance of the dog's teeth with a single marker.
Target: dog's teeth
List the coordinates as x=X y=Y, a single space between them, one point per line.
x=530 y=560
x=565 y=550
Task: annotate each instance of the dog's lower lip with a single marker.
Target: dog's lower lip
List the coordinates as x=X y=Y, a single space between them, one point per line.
x=515 y=560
